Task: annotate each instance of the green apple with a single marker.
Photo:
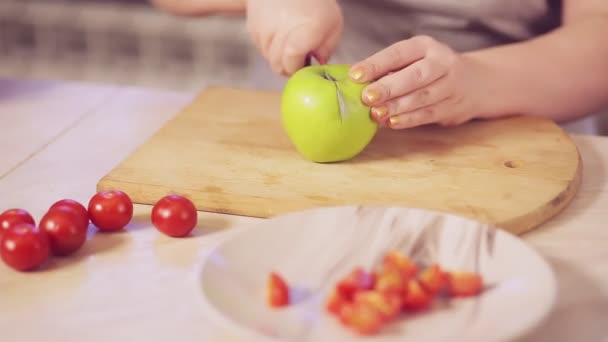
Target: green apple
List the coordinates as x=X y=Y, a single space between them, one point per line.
x=323 y=114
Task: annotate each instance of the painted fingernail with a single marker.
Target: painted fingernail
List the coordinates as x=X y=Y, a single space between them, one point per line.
x=356 y=73
x=372 y=95
x=394 y=120
x=380 y=111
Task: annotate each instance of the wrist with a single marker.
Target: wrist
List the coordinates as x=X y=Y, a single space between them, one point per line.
x=495 y=89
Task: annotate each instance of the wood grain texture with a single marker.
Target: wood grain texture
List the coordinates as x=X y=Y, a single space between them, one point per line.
x=227 y=151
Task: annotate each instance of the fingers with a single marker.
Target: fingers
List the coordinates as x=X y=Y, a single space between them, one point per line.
x=299 y=42
x=275 y=52
x=411 y=83
x=422 y=116
x=267 y=39
x=433 y=93
x=445 y=113
x=415 y=76
x=256 y=39
x=326 y=49
x=286 y=48
x=260 y=40
x=392 y=58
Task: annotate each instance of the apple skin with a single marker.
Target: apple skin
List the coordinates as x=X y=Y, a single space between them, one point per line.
x=311 y=116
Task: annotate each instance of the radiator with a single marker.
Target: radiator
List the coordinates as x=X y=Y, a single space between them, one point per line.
x=125 y=43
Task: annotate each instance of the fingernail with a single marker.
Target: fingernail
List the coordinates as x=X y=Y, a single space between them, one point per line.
x=380 y=111
x=356 y=73
x=372 y=95
x=394 y=120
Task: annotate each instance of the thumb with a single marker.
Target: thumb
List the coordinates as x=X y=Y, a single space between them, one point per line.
x=299 y=43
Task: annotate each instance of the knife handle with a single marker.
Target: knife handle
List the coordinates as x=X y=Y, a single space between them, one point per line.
x=310 y=57
x=308 y=60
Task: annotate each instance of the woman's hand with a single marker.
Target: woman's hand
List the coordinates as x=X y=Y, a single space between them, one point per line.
x=286 y=31
x=421 y=81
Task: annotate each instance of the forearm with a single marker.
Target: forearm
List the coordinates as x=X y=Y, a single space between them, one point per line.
x=562 y=75
x=201 y=7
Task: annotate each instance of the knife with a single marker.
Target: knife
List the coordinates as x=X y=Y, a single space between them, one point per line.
x=310 y=58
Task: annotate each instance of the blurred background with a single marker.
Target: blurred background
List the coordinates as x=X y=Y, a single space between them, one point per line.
x=129 y=42
x=125 y=42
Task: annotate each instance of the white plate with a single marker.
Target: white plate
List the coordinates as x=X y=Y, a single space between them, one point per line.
x=313 y=248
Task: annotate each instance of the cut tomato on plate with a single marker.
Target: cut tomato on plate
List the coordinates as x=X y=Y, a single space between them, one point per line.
x=346 y=312
x=357 y=280
x=365 y=319
x=390 y=280
x=388 y=304
x=464 y=284
x=415 y=297
x=277 y=291
x=433 y=279
x=396 y=260
x=365 y=300
x=334 y=303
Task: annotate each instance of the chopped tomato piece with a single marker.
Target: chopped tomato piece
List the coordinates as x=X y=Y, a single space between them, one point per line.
x=464 y=284
x=390 y=280
x=346 y=312
x=416 y=297
x=357 y=280
x=335 y=302
x=277 y=291
x=433 y=279
x=366 y=300
x=388 y=304
x=365 y=319
x=398 y=261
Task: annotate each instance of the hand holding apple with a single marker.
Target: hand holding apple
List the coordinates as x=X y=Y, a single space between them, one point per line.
x=323 y=114
x=421 y=81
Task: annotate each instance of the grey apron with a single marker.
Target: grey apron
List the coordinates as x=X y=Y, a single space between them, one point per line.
x=371 y=25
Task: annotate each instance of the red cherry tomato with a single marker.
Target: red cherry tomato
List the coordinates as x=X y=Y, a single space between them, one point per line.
x=24 y=247
x=110 y=210
x=174 y=215
x=13 y=217
x=65 y=228
x=77 y=206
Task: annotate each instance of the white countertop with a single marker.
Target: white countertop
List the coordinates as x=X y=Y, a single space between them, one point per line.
x=59 y=139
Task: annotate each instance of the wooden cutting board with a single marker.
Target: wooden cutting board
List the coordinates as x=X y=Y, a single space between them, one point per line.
x=227 y=151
